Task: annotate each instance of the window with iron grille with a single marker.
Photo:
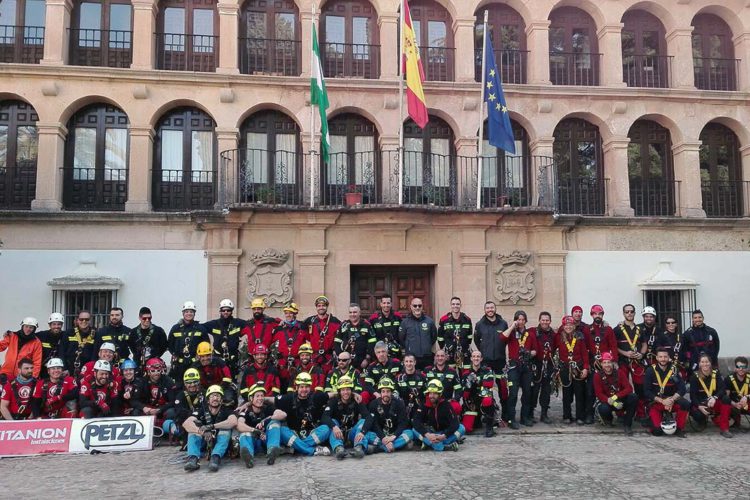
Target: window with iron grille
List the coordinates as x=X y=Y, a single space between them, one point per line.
x=678 y=304
x=98 y=302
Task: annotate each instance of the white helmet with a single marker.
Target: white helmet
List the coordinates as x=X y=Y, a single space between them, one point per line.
x=29 y=321
x=668 y=424
x=56 y=317
x=189 y=306
x=226 y=303
x=55 y=363
x=103 y=366
x=648 y=310
x=109 y=346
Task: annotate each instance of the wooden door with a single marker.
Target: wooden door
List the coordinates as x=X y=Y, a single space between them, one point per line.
x=403 y=283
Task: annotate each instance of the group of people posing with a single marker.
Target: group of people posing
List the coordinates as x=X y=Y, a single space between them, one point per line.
x=239 y=387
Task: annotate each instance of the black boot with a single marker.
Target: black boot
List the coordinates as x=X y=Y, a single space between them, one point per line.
x=489 y=430
x=214 y=464
x=192 y=464
x=545 y=418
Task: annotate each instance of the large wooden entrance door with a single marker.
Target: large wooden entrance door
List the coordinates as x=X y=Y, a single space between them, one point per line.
x=403 y=283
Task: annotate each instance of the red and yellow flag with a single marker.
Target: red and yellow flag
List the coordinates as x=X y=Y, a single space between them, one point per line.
x=412 y=68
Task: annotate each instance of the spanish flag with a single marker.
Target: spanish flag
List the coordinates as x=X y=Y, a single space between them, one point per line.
x=412 y=68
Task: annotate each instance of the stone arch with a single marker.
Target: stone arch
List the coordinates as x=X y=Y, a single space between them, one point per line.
x=677 y=134
x=177 y=103
x=517 y=5
x=265 y=106
x=727 y=15
x=82 y=102
x=357 y=111
x=739 y=129
x=657 y=10
x=585 y=5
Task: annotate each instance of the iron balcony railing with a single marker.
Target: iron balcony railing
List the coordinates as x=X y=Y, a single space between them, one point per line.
x=183 y=191
x=582 y=196
x=438 y=63
x=647 y=71
x=21 y=44
x=266 y=56
x=95 y=188
x=512 y=64
x=656 y=198
x=726 y=198
x=18 y=186
x=715 y=74
x=181 y=52
x=94 y=47
x=569 y=68
x=351 y=60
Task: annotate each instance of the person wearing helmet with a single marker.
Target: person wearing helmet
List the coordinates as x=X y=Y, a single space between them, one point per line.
x=349 y=421
x=50 y=339
x=708 y=397
x=107 y=352
x=118 y=334
x=665 y=389
x=99 y=397
x=259 y=329
x=301 y=413
x=158 y=392
x=214 y=371
x=576 y=312
x=55 y=396
x=478 y=381
x=614 y=394
x=15 y=401
x=76 y=346
x=600 y=340
x=435 y=424
x=18 y=345
x=521 y=344
x=390 y=425
x=574 y=367
x=650 y=330
x=209 y=428
x=382 y=366
x=260 y=371
x=455 y=335
x=321 y=333
x=130 y=389
x=343 y=368
x=701 y=338
x=185 y=402
x=288 y=336
x=183 y=340
x=356 y=337
x=226 y=332
x=253 y=421
x=410 y=385
x=305 y=364
x=150 y=338
x=452 y=388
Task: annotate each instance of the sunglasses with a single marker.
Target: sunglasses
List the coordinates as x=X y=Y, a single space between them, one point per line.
x=84 y=319
x=146 y=318
x=225 y=310
x=416 y=305
x=344 y=359
x=741 y=367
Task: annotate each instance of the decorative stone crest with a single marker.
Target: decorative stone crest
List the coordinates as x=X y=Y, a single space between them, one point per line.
x=515 y=278
x=270 y=277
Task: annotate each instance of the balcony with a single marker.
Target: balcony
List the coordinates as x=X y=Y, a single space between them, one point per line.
x=655 y=198
x=726 y=198
x=180 y=52
x=647 y=71
x=95 y=189
x=715 y=74
x=17 y=186
x=568 y=68
x=583 y=196
x=179 y=191
x=106 y=48
x=511 y=63
x=265 y=56
x=437 y=63
x=351 y=60
x=21 y=44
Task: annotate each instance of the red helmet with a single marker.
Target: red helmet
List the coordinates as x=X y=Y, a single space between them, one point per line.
x=260 y=349
x=154 y=363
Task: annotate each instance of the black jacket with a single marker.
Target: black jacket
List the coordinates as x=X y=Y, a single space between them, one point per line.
x=439 y=418
x=388 y=419
x=417 y=335
x=120 y=337
x=487 y=337
x=346 y=414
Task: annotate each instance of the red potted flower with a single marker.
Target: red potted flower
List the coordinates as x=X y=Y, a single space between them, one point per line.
x=352 y=196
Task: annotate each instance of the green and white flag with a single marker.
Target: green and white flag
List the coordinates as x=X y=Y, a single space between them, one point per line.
x=319 y=96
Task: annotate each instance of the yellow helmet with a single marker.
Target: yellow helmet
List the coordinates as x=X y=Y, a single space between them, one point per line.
x=214 y=389
x=303 y=378
x=434 y=386
x=191 y=375
x=323 y=299
x=257 y=387
x=257 y=303
x=204 y=349
x=345 y=382
x=386 y=383
x=291 y=308
x=306 y=348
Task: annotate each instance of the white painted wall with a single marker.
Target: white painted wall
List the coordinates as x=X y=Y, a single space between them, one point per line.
x=611 y=278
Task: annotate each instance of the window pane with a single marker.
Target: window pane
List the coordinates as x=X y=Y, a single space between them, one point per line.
x=634 y=161
x=628 y=43
x=557 y=40
x=361 y=30
x=84 y=154
x=650 y=43
x=286 y=159
x=203 y=30
x=119 y=25
x=27 y=143
x=582 y=48
x=285 y=26
x=256 y=167
x=510 y=38
x=514 y=167
x=440 y=162
x=256 y=25
x=364 y=160
x=171 y=155
x=586 y=160
x=202 y=164
x=115 y=154
x=656 y=161
x=697 y=46
x=335 y=34
x=3 y=147
x=489 y=165
x=413 y=147
x=336 y=168
x=715 y=43
x=8 y=13
x=35 y=13
x=90 y=23
x=174 y=29
x=436 y=32
x=417 y=25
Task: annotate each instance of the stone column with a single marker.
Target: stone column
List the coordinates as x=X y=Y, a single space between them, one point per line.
x=228 y=33
x=467 y=170
x=680 y=47
x=310 y=259
x=616 y=171
x=745 y=152
x=139 y=168
x=56 y=24
x=389 y=45
x=227 y=139
x=742 y=52
x=463 y=55
x=687 y=172
x=49 y=174
x=144 y=27
x=542 y=175
x=306 y=18
x=610 y=46
x=552 y=271
x=223 y=264
x=470 y=272
x=537 y=43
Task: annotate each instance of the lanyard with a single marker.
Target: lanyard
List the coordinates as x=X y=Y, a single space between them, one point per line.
x=522 y=340
x=662 y=383
x=571 y=347
x=627 y=337
x=711 y=388
x=745 y=385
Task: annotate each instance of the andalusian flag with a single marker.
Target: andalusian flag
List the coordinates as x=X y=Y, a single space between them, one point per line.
x=412 y=67
x=319 y=96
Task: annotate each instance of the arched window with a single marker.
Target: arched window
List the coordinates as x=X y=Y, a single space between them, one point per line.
x=644 y=51
x=429 y=175
x=101 y=33
x=188 y=37
x=721 y=171
x=349 y=37
x=96 y=159
x=271 y=169
x=269 y=38
x=506 y=178
x=507 y=30
x=184 y=161
x=22 y=31
x=650 y=170
x=573 y=45
x=354 y=160
x=434 y=31
x=580 y=167
x=18 y=154
x=714 y=65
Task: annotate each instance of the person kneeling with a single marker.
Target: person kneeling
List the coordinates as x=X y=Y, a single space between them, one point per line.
x=210 y=426
x=665 y=389
x=614 y=394
x=435 y=423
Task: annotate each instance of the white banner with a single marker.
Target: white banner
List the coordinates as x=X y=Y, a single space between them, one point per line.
x=112 y=434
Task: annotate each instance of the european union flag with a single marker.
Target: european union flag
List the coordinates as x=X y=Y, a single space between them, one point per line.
x=500 y=130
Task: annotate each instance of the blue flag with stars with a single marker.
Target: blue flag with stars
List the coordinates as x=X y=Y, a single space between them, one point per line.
x=500 y=130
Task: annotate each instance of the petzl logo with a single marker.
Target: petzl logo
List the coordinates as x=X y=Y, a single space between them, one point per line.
x=120 y=433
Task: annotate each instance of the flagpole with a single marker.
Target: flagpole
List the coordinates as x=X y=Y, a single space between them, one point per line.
x=481 y=113
x=401 y=107
x=312 y=117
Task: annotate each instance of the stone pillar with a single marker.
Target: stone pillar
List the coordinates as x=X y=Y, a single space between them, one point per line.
x=389 y=45
x=687 y=172
x=470 y=272
x=617 y=184
x=306 y=19
x=310 y=266
x=389 y=168
x=139 y=168
x=56 y=24
x=227 y=139
x=542 y=175
x=745 y=152
x=49 y=174
x=223 y=265
x=144 y=27
x=537 y=43
x=742 y=52
x=610 y=46
x=680 y=47
x=552 y=271
x=463 y=55
x=467 y=170
x=228 y=41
